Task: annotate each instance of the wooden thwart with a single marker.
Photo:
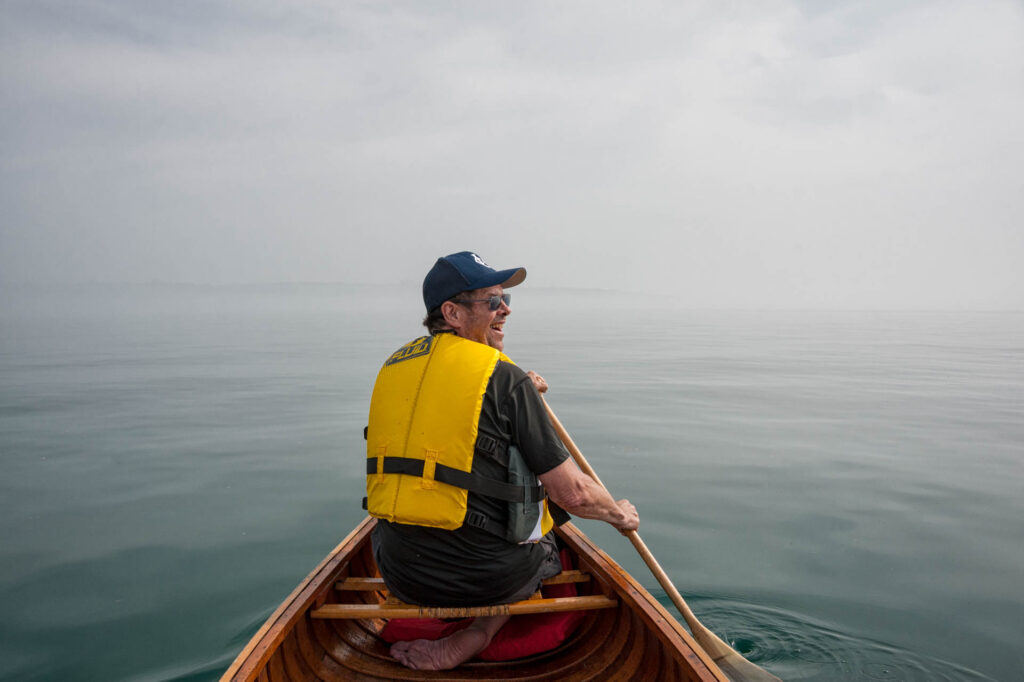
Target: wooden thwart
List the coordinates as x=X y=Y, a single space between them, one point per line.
x=393 y=608
x=568 y=577
x=377 y=584
x=401 y=610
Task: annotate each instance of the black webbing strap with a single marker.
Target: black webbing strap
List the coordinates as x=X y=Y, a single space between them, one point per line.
x=479 y=520
x=494 y=448
x=459 y=479
x=476 y=519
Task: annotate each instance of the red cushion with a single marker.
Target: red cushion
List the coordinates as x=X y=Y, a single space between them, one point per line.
x=521 y=636
x=408 y=629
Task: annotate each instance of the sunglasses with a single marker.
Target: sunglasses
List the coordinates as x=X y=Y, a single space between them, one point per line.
x=493 y=302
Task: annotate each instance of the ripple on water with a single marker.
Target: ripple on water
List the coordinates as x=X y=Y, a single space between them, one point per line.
x=794 y=648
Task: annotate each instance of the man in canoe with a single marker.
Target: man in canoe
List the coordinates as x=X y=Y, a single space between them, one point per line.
x=462 y=462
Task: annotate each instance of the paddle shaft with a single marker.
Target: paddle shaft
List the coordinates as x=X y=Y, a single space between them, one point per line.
x=633 y=536
x=737 y=667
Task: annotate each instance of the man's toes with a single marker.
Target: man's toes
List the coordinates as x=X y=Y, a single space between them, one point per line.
x=400 y=652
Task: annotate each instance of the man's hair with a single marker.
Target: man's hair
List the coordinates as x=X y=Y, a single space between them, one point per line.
x=434 y=321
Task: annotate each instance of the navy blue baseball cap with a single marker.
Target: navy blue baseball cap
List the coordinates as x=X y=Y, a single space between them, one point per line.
x=464 y=271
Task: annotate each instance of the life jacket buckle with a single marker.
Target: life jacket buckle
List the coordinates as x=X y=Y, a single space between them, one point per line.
x=495 y=448
x=476 y=519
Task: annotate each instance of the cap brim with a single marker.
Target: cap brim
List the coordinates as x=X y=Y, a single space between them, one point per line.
x=515 y=277
x=504 y=278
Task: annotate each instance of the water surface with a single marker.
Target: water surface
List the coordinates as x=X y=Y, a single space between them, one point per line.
x=839 y=494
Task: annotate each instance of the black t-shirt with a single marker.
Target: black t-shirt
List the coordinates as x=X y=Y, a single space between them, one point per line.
x=469 y=566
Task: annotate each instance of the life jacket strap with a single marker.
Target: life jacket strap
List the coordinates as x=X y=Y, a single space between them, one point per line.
x=495 y=448
x=482 y=521
x=460 y=479
x=477 y=520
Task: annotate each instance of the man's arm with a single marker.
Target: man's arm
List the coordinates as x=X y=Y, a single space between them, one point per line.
x=578 y=494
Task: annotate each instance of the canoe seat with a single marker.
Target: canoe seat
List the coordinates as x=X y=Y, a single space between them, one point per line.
x=377 y=584
x=393 y=608
x=396 y=609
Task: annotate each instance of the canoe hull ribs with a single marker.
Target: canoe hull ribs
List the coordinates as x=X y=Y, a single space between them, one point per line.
x=322 y=632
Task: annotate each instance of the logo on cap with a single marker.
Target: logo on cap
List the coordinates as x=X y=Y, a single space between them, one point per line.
x=480 y=260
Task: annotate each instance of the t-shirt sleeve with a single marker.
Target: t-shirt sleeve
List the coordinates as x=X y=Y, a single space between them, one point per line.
x=528 y=422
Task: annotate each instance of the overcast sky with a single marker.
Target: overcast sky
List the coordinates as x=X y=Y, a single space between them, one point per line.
x=763 y=153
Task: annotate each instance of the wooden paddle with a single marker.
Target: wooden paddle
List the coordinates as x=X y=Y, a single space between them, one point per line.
x=728 y=659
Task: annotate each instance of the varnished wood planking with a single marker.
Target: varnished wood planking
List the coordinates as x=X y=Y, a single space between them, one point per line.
x=637 y=639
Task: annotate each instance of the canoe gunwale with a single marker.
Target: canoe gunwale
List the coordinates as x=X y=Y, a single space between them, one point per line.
x=658 y=617
x=293 y=608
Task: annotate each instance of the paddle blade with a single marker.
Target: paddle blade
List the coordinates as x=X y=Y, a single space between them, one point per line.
x=735 y=667
x=739 y=669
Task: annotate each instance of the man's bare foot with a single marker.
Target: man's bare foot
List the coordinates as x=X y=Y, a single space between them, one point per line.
x=450 y=651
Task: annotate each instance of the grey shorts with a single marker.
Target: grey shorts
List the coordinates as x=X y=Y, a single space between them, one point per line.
x=551 y=566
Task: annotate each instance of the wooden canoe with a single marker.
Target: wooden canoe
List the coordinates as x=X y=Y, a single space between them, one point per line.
x=627 y=636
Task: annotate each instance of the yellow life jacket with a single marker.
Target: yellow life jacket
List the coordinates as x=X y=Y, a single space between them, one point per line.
x=423 y=436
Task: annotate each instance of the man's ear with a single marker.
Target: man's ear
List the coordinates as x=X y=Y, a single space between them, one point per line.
x=452 y=314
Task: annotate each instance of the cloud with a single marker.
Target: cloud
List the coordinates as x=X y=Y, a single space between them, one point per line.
x=757 y=154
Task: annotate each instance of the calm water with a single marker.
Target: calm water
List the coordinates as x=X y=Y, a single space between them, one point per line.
x=840 y=495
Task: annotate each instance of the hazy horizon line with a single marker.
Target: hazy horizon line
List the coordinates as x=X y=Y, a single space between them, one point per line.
x=62 y=286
